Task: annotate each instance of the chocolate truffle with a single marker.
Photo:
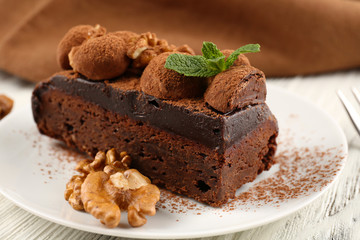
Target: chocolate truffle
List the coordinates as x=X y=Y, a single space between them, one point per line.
x=164 y=83
x=236 y=88
x=100 y=58
x=75 y=37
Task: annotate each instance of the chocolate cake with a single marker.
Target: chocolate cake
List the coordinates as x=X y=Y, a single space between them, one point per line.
x=185 y=144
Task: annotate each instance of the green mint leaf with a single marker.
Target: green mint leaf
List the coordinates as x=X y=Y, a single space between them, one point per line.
x=210 y=51
x=217 y=63
x=192 y=66
x=211 y=63
x=244 y=49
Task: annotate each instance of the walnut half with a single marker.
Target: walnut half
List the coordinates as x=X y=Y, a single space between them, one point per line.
x=147 y=46
x=106 y=186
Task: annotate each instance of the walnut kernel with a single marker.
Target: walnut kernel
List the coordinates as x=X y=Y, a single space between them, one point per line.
x=147 y=46
x=107 y=185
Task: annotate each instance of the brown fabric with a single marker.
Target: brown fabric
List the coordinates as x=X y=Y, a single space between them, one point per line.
x=296 y=37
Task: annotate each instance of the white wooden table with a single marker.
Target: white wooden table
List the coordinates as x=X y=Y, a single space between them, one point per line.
x=335 y=215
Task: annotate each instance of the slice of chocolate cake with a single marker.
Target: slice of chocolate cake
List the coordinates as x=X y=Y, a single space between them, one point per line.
x=181 y=145
x=184 y=140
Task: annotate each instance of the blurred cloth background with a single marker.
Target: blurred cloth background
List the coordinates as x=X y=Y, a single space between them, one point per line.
x=297 y=37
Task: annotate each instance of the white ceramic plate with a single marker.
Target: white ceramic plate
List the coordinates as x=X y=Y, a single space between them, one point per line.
x=311 y=153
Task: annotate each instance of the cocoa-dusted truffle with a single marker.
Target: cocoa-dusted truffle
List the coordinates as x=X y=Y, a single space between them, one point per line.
x=75 y=37
x=236 y=88
x=164 y=83
x=241 y=60
x=100 y=58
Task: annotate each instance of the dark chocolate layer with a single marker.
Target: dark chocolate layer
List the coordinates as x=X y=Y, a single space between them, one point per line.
x=189 y=118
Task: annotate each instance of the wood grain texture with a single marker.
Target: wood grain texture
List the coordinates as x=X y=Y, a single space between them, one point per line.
x=335 y=215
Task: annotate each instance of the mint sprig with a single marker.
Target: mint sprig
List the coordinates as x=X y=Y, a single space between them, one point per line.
x=209 y=64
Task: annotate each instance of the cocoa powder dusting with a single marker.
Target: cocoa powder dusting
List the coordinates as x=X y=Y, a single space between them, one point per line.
x=301 y=172
x=55 y=159
x=175 y=203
